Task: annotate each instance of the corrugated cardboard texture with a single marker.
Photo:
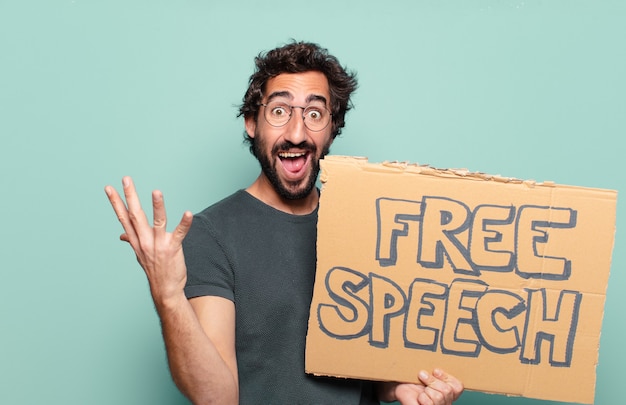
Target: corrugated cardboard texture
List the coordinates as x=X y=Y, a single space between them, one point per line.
x=499 y=281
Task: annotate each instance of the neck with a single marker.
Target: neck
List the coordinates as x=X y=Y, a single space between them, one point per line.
x=264 y=191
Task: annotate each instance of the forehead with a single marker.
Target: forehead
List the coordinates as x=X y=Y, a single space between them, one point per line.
x=298 y=86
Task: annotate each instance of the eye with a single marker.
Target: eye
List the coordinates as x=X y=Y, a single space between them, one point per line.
x=314 y=113
x=279 y=111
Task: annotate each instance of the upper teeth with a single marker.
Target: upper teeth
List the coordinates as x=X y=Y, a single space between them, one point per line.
x=290 y=154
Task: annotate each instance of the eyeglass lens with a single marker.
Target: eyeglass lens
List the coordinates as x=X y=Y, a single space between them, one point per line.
x=316 y=116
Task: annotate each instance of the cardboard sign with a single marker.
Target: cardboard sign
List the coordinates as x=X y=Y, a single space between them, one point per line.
x=500 y=282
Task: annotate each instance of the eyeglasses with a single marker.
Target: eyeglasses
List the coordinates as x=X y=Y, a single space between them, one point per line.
x=278 y=113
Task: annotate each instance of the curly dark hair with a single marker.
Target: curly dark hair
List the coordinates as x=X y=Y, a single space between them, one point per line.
x=299 y=57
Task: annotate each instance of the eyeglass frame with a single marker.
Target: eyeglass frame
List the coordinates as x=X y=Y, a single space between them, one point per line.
x=291 y=107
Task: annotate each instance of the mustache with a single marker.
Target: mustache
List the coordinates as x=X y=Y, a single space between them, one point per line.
x=285 y=146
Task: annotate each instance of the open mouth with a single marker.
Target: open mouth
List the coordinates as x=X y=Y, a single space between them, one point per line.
x=294 y=162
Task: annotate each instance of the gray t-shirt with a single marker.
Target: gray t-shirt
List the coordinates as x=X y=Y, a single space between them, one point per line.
x=264 y=261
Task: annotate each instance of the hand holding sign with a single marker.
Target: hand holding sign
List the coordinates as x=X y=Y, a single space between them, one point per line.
x=439 y=388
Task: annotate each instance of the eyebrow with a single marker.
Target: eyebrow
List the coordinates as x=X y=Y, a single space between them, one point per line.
x=316 y=97
x=286 y=94
x=277 y=94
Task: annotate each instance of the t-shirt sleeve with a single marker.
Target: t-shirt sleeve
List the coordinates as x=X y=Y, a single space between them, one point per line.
x=209 y=270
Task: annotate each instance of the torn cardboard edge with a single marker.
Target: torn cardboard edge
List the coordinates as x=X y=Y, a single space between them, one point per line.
x=426 y=169
x=390 y=298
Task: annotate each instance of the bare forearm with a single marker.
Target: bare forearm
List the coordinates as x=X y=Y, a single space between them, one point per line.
x=201 y=353
x=197 y=367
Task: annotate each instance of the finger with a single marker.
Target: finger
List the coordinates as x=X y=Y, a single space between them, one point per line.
x=436 y=389
x=135 y=212
x=438 y=397
x=122 y=214
x=182 y=228
x=159 y=215
x=408 y=394
x=424 y=399
x=455 y=383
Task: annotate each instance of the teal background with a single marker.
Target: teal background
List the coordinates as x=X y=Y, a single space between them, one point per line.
x=94 y=90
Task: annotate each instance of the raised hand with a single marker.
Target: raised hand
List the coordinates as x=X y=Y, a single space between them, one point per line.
x=158 y=252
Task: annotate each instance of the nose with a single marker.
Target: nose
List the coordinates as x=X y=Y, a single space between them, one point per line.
x=296 y=130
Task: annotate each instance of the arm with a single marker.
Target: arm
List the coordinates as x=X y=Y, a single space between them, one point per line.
x=438 y=388
x=199 y=339
x=198 y=334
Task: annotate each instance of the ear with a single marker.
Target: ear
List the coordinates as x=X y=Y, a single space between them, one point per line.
x=250 y=126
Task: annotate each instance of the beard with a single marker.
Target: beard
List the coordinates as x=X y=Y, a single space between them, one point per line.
x=288 y=189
